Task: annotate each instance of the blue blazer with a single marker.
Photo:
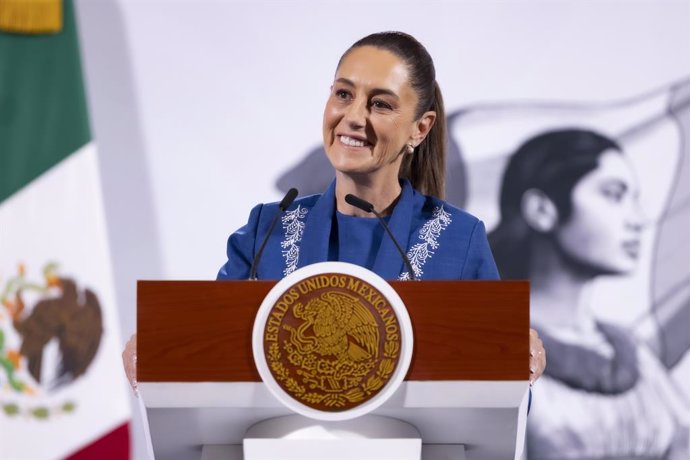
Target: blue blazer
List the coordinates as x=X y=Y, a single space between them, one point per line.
x=442 y=241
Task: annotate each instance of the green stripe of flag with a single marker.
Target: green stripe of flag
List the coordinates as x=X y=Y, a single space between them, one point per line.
x=43 y=114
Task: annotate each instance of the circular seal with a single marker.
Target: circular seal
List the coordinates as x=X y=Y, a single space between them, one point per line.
x=332 y=341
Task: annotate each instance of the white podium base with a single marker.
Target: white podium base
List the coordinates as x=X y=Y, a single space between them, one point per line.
x=332 y=449
x=489 y=416
x=429 y=452
x=295 y=437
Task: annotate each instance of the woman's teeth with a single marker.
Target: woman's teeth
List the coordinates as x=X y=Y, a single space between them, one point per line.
x=351 y=142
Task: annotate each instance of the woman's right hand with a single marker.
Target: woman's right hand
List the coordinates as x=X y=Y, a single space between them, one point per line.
x=129 y=361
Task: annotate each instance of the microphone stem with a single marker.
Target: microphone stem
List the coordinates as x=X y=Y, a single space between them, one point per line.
x=395 y=242
x=257 y=258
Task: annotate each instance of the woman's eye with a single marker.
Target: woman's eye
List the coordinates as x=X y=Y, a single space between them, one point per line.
x=379 y=104
x=342 y=94
x=615 y=195
x=614 y=190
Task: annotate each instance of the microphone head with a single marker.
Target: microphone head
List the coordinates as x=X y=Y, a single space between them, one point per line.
x=359 y=203
x=288 y=199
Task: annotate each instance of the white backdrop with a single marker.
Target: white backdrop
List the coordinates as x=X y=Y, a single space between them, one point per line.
x=199 y=106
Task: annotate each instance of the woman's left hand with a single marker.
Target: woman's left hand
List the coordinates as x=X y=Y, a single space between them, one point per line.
x=537 y=356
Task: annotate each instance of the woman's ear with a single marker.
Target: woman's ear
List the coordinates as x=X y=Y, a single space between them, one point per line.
x=422 y=127
x=539 y=211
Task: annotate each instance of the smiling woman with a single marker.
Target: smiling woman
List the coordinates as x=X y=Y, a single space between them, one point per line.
x=384 y=133
x=369 y=122
x=379 y=111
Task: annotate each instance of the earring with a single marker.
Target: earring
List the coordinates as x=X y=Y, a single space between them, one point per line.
x=410 y=148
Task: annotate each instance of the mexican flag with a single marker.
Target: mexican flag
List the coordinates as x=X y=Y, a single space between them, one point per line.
x=62 y=389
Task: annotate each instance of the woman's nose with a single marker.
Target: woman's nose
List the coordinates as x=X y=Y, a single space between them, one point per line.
x=637 y=219
x=356 y=115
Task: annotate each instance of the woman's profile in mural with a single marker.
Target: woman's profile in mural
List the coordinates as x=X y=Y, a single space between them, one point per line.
x=569 y=213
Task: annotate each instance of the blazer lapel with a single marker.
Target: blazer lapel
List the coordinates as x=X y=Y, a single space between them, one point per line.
x=317 y=229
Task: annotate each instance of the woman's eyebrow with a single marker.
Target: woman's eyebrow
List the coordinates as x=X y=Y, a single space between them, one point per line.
x=387 y=92
x=345 y=81
x=375 y=91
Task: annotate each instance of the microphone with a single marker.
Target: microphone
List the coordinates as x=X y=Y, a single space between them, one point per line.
x=368 y=207
x=284 y=204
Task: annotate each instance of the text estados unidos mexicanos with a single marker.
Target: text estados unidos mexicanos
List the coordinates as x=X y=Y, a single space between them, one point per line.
x=331 y=281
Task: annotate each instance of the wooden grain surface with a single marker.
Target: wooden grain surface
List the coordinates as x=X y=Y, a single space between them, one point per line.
x=200 y=331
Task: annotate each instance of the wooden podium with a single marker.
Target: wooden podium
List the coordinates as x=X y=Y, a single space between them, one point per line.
x=467 y=385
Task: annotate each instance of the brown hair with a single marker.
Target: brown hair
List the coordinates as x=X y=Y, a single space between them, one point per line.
x=425 y=168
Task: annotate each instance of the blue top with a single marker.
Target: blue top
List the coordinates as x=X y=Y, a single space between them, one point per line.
x=359 y=239
x=442 y=241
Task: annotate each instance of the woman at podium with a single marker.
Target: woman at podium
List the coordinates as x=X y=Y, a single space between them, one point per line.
x=384 y=134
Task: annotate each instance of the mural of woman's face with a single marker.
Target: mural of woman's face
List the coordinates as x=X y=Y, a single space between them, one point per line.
x=603 y=231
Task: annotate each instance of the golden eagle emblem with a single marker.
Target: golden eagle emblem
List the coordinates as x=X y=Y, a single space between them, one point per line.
x=336 y=324
x=332 y=342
